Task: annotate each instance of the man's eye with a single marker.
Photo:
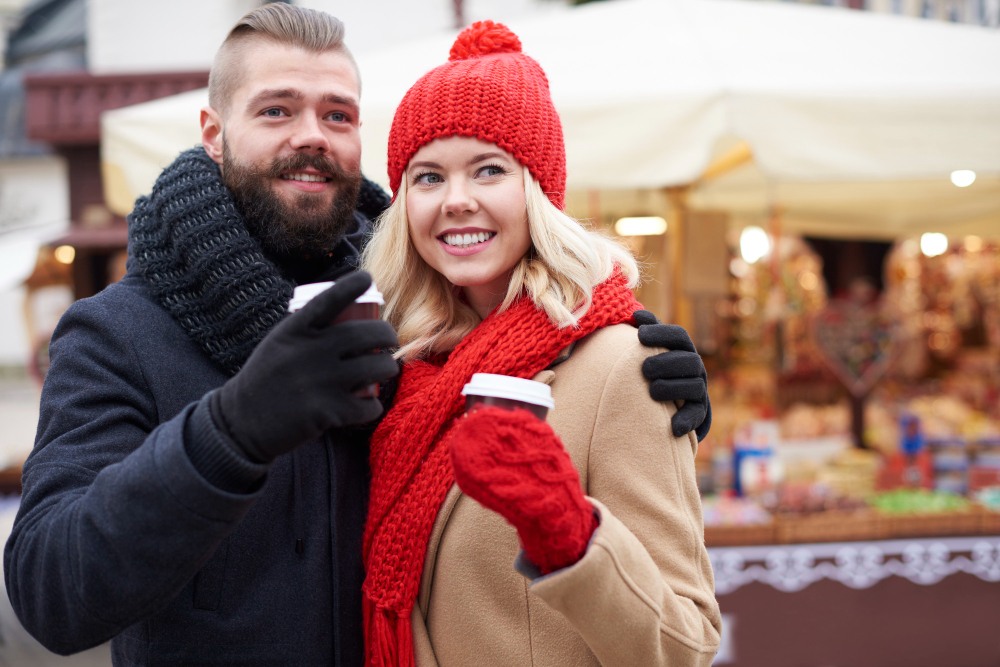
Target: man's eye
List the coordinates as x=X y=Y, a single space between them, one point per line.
x=273 y=113
x=338 y=117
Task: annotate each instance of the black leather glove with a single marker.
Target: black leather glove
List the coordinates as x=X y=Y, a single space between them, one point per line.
x=300 y=379
x=676 y=375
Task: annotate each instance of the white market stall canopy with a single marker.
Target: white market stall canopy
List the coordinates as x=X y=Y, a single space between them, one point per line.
x=879 y=108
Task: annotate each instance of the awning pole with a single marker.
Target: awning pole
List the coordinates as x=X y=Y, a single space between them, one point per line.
x=679 y=310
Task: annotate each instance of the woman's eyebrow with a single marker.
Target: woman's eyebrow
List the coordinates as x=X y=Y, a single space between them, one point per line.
x=486 y=156
x=430 y=165
x=478 y=158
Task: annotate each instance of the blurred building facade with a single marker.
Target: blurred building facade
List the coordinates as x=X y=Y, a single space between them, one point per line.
x=188 y=32
x=35 y=36
x=976 y=12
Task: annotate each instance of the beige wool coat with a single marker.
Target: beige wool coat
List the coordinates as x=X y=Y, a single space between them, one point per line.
x=642 y=595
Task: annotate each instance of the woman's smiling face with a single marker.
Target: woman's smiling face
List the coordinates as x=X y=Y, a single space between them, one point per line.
x=467 y=214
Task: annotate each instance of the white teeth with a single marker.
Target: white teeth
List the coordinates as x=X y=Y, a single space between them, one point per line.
x=309 y=178
x=464 y=240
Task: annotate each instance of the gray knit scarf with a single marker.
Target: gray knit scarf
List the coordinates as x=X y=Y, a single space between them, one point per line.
x=190 y=244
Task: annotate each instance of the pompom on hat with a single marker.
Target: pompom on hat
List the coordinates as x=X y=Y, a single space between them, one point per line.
x=490 y=90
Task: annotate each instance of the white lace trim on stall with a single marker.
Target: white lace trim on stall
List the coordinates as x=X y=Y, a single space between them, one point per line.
x=856 y=564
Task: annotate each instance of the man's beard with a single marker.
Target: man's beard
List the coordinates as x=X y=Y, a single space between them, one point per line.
x=304 y=227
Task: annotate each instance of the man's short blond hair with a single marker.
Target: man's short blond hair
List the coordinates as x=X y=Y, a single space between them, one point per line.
x=279 y=23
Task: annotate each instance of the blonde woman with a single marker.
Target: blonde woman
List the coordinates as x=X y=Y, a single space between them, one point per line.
x=484 y=273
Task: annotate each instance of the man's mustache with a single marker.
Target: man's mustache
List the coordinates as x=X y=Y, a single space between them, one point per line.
x=317 y=161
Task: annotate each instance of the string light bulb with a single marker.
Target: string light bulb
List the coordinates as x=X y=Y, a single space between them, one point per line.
x=65 y=254
x=933 y=244
x=644 y=226
x=754 y=244
x=963 y=178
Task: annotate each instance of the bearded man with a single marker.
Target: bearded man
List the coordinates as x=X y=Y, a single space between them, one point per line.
x=198 y=484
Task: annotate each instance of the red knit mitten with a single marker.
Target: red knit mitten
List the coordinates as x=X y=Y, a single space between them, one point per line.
x=514 y=464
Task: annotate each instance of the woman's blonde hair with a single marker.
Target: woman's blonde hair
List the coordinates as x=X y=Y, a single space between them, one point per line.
x=563 y=265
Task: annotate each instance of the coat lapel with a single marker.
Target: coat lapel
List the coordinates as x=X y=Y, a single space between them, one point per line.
x=427 y=577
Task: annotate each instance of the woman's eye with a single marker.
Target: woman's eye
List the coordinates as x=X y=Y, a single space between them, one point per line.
x=428 y=178
x=492 y=170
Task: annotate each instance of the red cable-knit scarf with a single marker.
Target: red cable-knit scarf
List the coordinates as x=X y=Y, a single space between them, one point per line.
x=410 y=462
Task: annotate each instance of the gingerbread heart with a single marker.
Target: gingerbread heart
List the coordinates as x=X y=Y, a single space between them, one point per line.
x=855 y=341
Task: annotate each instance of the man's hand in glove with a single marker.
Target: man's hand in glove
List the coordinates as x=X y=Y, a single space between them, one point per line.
x=513 y=463
x=677 y=375
x=300 y=380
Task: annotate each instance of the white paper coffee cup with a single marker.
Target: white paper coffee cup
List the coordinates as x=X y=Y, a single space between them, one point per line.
x=504 y=391
x=303 y=294
x=365 y=307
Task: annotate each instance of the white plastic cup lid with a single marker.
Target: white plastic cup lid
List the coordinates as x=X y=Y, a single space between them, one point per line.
x=511 y=388
x=303 y=294
x=371 y=295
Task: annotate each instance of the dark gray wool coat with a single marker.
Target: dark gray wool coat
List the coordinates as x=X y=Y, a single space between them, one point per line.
x=120 y=535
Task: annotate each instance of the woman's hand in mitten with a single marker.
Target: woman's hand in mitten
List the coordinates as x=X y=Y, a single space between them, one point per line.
x=514 y=464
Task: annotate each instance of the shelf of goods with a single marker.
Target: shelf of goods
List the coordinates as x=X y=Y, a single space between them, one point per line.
x=857 y=525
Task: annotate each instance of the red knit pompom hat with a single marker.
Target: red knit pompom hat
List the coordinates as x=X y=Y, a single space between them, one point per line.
x=488 y=89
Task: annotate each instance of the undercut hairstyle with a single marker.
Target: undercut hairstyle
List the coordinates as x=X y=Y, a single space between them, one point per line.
x=280 y=23
x=565 y=262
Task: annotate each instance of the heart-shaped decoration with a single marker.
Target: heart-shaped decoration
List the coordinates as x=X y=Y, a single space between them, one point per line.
x=855 y=341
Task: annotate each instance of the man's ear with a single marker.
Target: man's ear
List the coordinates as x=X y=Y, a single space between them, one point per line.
x=211 y=133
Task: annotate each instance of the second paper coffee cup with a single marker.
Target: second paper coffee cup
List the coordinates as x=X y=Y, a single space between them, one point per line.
x=365 y=307
x=504 y=391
